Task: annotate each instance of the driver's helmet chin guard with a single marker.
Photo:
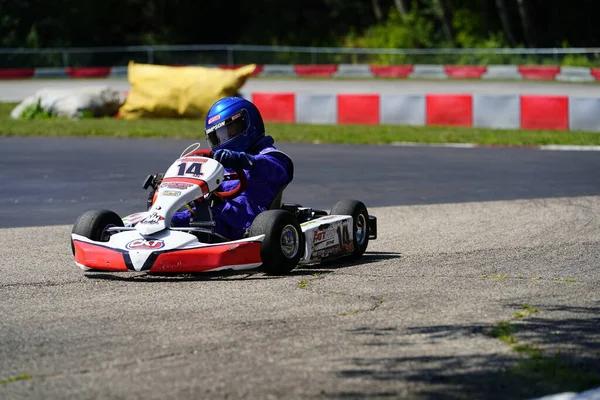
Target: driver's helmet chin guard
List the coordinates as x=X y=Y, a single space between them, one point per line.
x=233 y=123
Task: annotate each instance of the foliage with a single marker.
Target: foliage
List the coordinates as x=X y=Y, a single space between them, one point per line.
x=35 y=111
x=375 y=23
x=409 y=32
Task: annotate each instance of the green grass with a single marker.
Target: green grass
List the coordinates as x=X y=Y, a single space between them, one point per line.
x=558 y=375
x=498 y=276
x=15 y=379
x=505 y=332
x=351 y=134
x=347 y=313
x=566 y=280
x=552 y=372
x=304 y=283
x=527 y=311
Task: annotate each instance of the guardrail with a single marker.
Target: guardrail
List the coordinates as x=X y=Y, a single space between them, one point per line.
x=419 y=71
x=511 y=111
x=246 y=54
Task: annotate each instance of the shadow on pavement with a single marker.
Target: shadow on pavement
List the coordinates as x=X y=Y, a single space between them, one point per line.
x=560 y=353
x=322 y=268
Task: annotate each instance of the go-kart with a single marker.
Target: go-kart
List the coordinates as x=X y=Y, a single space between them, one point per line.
x=279 y=238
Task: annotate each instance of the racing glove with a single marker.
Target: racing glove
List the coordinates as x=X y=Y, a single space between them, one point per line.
x=234 y=159
x=181 y=218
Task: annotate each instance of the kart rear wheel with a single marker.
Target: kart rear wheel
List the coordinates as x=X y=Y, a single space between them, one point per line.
x=93 y=225
x=283 y=245
x=360 y=223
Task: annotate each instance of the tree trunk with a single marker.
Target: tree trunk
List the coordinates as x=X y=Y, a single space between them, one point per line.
x=401 y=7
x=526 y=23
x=486 y=17
x=377 y=10
x=505 y=19
x=444 y=15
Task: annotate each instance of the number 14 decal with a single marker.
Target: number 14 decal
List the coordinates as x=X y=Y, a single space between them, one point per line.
x=193 y=169
x=343 y=234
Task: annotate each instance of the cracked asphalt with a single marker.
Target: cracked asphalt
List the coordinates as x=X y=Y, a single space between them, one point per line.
x=411 y=319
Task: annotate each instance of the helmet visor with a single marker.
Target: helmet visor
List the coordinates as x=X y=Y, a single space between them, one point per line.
x=224 y=131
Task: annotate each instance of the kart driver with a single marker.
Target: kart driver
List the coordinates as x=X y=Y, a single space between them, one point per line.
x=240 y=143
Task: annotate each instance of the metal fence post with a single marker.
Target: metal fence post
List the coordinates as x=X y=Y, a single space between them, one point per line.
x=150 y=53
x=229 y=55
x=65 y=58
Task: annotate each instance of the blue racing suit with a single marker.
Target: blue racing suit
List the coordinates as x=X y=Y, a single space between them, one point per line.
x=272 y=169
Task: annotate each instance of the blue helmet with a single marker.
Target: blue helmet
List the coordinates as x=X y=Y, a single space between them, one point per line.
x=233 y=123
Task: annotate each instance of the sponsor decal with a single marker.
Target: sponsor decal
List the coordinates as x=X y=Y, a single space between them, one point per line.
x=145 y=244
x=152 y=219
x=217 y=126
x=200 y=159
x=326 y=253
x=236 y=116
x=321 y=236
x=213 y=119
x=174 y=193
x=132 y=219
x=318 y=236
x=175 y=185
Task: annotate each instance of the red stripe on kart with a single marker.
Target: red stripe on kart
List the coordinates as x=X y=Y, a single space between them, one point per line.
x=98 y=257
x=192 y=181
x=204 y=259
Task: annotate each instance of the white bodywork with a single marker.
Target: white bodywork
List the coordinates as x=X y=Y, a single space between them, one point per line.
x=327 y=236
x=196 y=176
x=140 y=249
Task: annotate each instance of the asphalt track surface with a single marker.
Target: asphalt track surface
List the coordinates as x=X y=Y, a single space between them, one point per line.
x=18 y=90
x=51 y=181
x=466 y=238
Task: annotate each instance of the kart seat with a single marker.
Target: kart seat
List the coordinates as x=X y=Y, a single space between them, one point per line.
x=277 y=201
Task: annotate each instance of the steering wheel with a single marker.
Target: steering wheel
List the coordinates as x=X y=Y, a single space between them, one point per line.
x=238 y=174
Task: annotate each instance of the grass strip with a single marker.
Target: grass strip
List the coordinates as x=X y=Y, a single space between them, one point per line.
x=302 y=133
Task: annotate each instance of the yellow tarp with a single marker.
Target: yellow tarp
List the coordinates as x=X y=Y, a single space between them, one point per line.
x=159 y=91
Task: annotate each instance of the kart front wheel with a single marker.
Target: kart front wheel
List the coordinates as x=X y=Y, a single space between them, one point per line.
x=93 y=225
x=283 y=245
x=360 y=223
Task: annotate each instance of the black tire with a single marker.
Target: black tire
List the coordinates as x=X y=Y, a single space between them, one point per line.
x=360 y=223
x=92 y=225
x=279 y=258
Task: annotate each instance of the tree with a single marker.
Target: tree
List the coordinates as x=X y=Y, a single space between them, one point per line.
x=377 y=10
x=401 y=7
x=505 y=19
x=441 y=9
x=526 y=23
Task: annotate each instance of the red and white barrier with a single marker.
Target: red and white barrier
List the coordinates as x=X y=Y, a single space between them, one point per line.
x=499 y=72
x=468 y=110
